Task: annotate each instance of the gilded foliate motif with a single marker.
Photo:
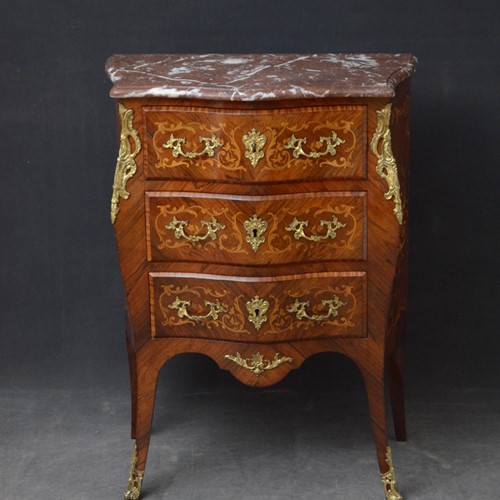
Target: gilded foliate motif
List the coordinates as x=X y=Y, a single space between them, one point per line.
x=297 y=228
x=208 y=149
x=389 y=480
x=386 y=168
x=125 y=163
x=330 y=142
x=192 y=305
x=291 y=144
x=254 y=143
x=294 y=230
x=255 y=228
x=332 y=307
x=273 y=314
x=176 y=145
x=188 y=225
x=286 y=146
x=257 y=364
x=135 y=479
x=286 y=231
x=257 y=309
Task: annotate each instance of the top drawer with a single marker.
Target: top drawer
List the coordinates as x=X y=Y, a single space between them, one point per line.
x=311 y=143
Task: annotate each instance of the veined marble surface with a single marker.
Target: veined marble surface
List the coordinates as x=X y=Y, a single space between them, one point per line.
x=254 y=77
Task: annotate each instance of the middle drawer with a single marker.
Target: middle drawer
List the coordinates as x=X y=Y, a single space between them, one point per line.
x=256 y=230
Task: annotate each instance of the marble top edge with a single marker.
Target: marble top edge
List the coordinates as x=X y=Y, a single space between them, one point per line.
x=253 y=77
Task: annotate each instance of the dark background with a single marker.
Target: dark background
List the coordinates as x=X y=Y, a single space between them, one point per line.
x=61 y=306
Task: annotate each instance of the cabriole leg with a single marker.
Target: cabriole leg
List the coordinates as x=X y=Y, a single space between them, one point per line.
x=374 y=381
x=146 y=381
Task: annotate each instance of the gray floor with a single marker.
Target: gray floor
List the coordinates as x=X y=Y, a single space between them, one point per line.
x=216 y=439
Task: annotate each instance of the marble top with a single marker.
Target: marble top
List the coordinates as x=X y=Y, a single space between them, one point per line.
x=255 y=77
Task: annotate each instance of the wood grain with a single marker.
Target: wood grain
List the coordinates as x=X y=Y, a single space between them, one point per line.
x=373 y=261
x=344 y=211
x=280 y=320
x=229 y=162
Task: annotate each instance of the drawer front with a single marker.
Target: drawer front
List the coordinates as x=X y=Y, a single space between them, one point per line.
x=255 y=146
x=272 y=309
x=250 y=230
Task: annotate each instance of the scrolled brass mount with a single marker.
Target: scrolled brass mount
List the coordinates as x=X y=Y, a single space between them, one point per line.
x=254 y=142
x=258 y=364
x=297 y=227
x=257 y=309
x=177 y=226
x=295 y=144
x=299 y=308
x=176 y=143
x=255 y=228
x=381 y=147
x=126 y=166
x=389 y=479
x=215 y=308
x=135 y=479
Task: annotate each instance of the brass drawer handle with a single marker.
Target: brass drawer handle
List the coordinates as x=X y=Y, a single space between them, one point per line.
x=331 y=144
x=177 y=226
x=176 y=143
x=300 y=309
x=215 y=308
x=297 y=227
x=258 y=364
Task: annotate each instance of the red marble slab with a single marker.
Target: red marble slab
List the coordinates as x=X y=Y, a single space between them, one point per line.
x=254 y=77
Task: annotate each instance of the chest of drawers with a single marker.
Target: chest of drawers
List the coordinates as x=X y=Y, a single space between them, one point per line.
x=260 y=209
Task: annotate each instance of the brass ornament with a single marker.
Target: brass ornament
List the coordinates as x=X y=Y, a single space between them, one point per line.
x=125 y=163
x=215 y=308
x=295 y=144
x=257 y=309
x=333 y=305
x=135 y=479
x=389 y=479
x=297 y=227
x=177 y=226
x=254 y=143
x=255 y=228
x=258 y=364
x=176 y=143
x=386 y=164
x=236 y=319
x=232 y=237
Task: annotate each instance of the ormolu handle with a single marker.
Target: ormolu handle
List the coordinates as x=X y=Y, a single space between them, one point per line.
x=300 y=309
x=177 y=226
x=297 y=227
x=332 y=142
x=176 y=143
x=181 y=306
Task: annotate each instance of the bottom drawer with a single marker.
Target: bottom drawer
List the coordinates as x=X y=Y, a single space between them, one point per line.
x=269 y=309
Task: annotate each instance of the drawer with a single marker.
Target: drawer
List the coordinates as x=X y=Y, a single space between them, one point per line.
x=256 y=145
x=270 y=309
x=256 y=230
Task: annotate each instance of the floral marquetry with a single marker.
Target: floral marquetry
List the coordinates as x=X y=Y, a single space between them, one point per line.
x=283 y=309
x=260 y=211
